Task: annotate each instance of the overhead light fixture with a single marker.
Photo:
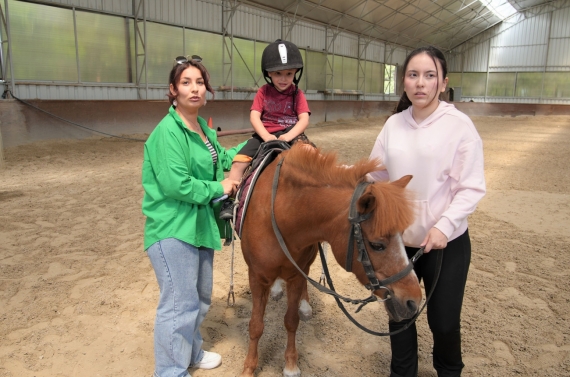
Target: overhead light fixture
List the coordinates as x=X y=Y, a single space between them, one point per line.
x=500 y=8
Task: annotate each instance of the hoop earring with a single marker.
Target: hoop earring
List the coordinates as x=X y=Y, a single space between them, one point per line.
x=174 y=103
x=205 y=102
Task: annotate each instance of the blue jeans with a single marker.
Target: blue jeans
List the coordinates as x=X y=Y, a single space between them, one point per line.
x=185 y=277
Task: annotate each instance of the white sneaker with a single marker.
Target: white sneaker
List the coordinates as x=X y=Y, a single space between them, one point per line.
x=210 y=360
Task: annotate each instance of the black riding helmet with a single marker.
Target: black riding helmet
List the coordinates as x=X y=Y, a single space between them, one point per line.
x=281 y=55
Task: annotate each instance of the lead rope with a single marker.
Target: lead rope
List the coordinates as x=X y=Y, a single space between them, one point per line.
x=232 y=241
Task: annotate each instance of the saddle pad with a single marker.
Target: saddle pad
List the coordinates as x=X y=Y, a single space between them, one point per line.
x=246 y=189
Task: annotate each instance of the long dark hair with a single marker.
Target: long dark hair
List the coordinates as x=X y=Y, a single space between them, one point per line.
x=434 y=53
x=176 y=72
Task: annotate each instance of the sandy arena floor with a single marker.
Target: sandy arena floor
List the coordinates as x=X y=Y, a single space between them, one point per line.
x=78 y=294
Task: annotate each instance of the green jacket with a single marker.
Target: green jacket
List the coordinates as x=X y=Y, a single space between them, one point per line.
x=180 y=180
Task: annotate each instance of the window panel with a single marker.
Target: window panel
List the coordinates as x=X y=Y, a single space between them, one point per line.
x=349 y=73
x=303 y=81
x=43 y=42
x=529 y=84
x=556 y=85
x=259 y=47
x=243 y=64
x=374 y=77
x=473 y=84
x=337 y=72
x=501 y=84
x=454 y=79
x=389 y=79
x=163 y=45
x=209 y=47
x=315 y=69
x=102 y=42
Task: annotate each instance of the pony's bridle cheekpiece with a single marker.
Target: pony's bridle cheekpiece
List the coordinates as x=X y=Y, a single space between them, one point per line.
x=356 y=236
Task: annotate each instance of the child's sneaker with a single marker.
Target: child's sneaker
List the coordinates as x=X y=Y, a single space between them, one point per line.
x=227 y=210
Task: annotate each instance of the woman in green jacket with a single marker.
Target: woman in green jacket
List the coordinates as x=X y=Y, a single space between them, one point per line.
x=183 y=171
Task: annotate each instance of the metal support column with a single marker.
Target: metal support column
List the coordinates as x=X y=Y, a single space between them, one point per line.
x=78 y=66
x=229 y=8
x=329 y=73
x=488 y=71
x=140 y=48
x=546 y=58
x=361 y=77
x=6 y=45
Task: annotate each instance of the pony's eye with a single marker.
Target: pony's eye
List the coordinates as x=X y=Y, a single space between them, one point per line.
x=378 y=246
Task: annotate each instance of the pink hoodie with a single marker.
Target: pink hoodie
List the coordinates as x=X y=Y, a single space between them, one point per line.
x=444 y=153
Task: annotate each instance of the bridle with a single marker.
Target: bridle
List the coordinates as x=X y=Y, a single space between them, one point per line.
x=356 y=235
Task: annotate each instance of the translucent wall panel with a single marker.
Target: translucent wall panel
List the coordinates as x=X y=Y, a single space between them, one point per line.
x=102 y=42
x=303 y=82
x=374 y=77
x=529 y=84
x=337 y=73
x=389 y=79
x=163 y=45
x=258 y=74
x=43 y=42
x=473 y=84
x=501 y=84
x=244 y=64
x=209 y=47
x=454 y=79
x=349 y=73
x=556 y=85
x=315 y=69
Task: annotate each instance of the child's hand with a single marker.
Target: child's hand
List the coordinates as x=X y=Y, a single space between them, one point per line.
x=270 y=137
x=284 y=137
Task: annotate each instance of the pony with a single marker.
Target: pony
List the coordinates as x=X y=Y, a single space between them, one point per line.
x=311 y=205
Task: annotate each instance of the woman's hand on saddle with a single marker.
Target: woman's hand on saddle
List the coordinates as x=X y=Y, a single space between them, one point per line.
x=285 y=137
x=435 y=239
x=230 y=186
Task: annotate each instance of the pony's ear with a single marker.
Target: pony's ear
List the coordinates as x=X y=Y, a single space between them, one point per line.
x=403 y=182
x=366 y=203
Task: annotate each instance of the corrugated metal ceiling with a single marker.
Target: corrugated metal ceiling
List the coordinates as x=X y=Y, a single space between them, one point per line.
x=411 y=23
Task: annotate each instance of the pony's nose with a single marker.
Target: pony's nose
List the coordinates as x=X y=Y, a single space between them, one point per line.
x=412 y=306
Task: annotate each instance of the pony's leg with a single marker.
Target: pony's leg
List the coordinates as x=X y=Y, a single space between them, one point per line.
x=259 y=296
x=294 y=291
x=305 y=309
x=277 y=289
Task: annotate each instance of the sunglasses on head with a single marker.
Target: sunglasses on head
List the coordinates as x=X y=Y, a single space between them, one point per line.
x=185 y=59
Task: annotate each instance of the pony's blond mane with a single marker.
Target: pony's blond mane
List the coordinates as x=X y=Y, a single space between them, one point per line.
x=394 y=212
x=324 y=166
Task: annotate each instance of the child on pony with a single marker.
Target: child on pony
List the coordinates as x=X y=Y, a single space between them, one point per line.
x=279 y=110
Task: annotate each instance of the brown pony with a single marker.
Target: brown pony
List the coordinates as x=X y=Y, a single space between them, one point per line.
x=312 y=205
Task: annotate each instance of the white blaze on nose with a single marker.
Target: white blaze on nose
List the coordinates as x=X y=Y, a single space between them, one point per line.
x=401 y=247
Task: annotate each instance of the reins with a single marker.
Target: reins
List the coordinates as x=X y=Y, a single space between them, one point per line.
x=355 y=236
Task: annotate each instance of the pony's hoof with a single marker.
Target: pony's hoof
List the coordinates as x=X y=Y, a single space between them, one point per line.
x=276 y=292
x=292 y=373
x=305 y=311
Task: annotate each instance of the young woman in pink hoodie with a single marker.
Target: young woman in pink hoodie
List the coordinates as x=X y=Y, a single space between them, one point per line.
x=438 y=145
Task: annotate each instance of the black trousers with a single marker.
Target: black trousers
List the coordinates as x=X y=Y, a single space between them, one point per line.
x=443 y=312
x=253 y=143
